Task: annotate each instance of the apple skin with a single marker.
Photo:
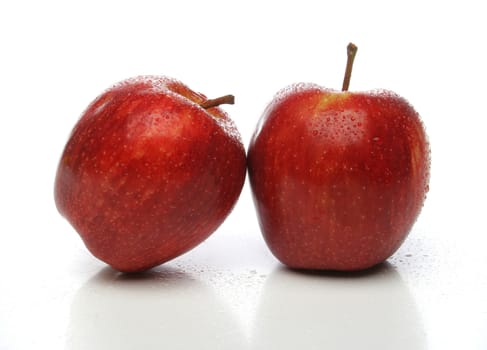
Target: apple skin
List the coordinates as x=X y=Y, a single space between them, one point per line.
x=147 y=173
x=338 y=178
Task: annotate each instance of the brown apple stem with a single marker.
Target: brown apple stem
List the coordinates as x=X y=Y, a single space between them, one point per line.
x=227 y=99
x=351 y=52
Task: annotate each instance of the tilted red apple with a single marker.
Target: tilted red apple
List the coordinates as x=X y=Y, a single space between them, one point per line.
x=150 y=170
x=338 y=177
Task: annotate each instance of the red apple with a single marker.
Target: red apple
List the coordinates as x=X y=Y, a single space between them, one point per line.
x=150 y=170
x=338 y=177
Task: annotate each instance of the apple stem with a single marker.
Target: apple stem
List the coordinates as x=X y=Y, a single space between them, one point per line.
x=351 y=52
x=227 y=99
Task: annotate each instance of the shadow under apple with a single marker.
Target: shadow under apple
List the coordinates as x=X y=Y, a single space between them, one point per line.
x=161 y=308
x=367 y=310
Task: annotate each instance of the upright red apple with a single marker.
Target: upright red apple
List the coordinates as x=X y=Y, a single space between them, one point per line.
x=338 y=177
x=150 y=170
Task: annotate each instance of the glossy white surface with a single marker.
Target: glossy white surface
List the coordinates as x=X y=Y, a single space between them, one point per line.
x=230 y=293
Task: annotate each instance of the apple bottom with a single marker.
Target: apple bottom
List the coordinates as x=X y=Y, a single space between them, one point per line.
x=345 y=226
x=154 y=232
x=336 y=256
x=134 y=231
x=141 y=254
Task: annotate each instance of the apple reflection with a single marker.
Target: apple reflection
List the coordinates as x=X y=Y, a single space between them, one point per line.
x=367 y=310
x=163 y=308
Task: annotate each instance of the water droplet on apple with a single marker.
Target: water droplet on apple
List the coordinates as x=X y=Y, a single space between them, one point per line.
x=293 y=89
x=341 y=126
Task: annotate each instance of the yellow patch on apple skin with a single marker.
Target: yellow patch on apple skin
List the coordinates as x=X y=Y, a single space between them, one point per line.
x=335 y=124
x=333 y=98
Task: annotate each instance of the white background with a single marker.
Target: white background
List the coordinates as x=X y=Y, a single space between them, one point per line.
x=229 y=292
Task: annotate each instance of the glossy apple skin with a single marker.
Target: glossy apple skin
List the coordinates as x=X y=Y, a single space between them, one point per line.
x=338 y=178
x=147 y=174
